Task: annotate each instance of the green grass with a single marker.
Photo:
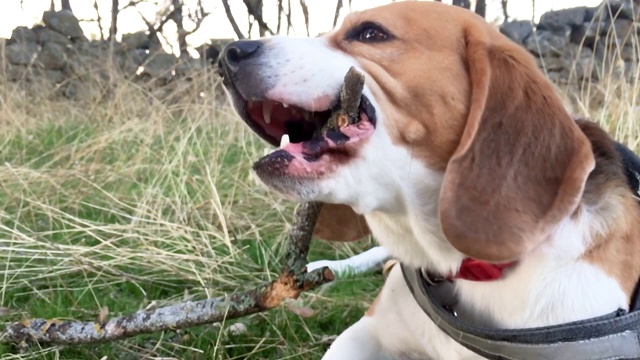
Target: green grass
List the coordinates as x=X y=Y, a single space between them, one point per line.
x=130 y=201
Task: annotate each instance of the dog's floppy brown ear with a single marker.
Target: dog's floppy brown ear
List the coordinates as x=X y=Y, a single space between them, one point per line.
x=340 y=223
x=522 y=162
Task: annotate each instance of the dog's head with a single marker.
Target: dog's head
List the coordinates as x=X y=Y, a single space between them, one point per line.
x=453 y=115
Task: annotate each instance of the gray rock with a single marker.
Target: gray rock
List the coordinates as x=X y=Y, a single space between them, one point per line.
x=54 y=76
x=14 y=72
x=138 y=56
x=130 y=61
x=589 y=33
x=518 y=30
x=52 y=57
x=63 y=22
x=624 y=30
x=22 y=53
x=45 y=35
x=23 y=34
x=546 y=43
x=160 y=65
x=632 y=69
x=551 y=63
x=629 y=53
x=186 y=67
x=562 y=19
x=625 y=9
x=579 y=63
x=137 y=40
x=556 y=77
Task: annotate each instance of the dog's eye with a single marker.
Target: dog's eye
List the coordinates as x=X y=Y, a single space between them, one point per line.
x=372 y=34
x=368 y=33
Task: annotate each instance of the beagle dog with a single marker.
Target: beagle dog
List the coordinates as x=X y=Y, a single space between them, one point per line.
x=463 y=153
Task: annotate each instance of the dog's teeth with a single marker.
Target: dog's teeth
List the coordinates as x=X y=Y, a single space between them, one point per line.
x=284 y=141
x=285 y=105
x=267 y=106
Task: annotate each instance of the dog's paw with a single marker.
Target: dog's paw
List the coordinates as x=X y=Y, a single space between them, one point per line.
x=322 y=263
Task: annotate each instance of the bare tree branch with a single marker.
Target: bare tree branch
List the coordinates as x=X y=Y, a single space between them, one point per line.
x=197 y=17
x=289 y=23
x=232 y=21
x=504 y=9
x=154 y=31
x=293 y=280
x=280 y=10
x=254 y=8
x=176 y=16
x=337 y=13
x=98 y=19
x=481 y=8
x=132 y=3
x=305 y=13
x=113 y=29
x=66 y=5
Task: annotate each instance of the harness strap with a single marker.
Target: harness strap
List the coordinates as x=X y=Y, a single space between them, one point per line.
x=610 y=337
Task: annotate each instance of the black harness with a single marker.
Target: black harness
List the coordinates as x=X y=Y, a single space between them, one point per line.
x=609 y=337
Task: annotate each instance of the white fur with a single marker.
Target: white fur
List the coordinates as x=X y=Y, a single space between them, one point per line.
x=399 y=197
x=369 y=260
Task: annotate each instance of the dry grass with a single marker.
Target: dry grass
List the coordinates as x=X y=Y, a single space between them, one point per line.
x=129 y=197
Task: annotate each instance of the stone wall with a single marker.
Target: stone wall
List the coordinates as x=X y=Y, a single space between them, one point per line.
x=584 y=43
x=57 y=52
x=573 y=44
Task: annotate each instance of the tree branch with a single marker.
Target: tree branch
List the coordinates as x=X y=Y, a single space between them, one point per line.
x=481 y=8
x=113 y=29
x=293 y=280
x=232 y=21
x=280 y=10
x=289 y=23
x=98 y=19
x=155 y=30
x=305 y=13
x=337 y=13
x=505 y=13
x=256 y=13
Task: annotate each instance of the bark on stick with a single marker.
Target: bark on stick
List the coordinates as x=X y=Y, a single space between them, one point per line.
x=293 y=280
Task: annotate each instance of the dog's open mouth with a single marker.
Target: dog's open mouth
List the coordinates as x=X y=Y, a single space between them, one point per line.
x=307 y=147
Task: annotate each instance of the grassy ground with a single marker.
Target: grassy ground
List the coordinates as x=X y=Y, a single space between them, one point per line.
x=128 y=198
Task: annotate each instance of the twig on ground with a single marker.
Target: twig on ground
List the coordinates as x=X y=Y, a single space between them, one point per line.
x=293 y=280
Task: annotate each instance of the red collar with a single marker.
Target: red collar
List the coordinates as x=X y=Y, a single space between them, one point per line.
x=477 y=270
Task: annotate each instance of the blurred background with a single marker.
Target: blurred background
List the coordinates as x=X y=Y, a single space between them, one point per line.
x=204 y=20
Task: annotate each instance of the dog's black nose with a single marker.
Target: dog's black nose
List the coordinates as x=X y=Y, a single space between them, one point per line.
x=234 y=53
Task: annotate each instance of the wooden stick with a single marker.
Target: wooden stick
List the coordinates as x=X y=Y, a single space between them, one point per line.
x=293 y=280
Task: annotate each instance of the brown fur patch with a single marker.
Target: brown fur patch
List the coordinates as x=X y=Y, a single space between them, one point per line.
x=617 y=250
x=340 y=223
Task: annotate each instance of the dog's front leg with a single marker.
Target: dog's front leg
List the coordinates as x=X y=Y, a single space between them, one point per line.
x=358 y=342
x=396 y=328
x=370 y=260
